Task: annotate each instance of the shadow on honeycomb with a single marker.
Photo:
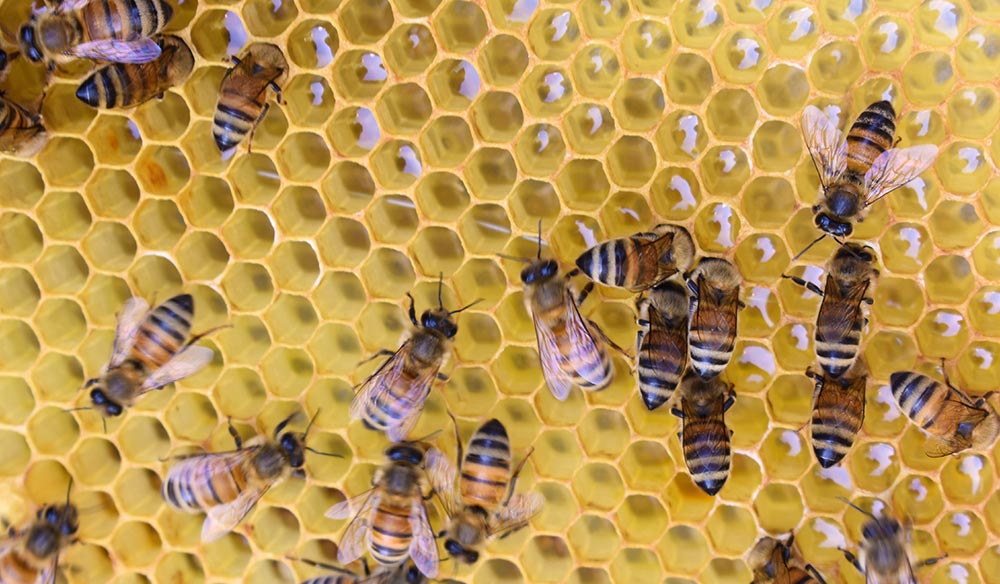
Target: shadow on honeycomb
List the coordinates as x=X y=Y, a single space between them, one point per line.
x=420 y=137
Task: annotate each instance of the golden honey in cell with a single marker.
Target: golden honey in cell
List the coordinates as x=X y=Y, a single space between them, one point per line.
x=885 y=551
x=769 y=559
x=21 y=132
x=126 y=85
x=952 y=420
x=641 y=261
x=391 y=399
x=837 y=416
x=704 y=434
x=662 y=342
x=227 y=485
x=152 y=348
x=484 y=505
x=856 y=172
x=390 y=520
x=118 y=31
x=31 y=555
x=715 y=291
x=243 y=93
x=850 y=278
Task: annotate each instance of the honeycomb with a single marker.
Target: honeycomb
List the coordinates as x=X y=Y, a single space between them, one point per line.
x=420 y=137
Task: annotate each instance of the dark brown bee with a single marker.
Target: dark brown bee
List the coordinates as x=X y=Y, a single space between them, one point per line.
x=391 y=519
x=662 y=342
x=860 y=170
x=405 y=573
x=31 y=555
x=850 y=276
x=484 y=506
x=838 y=413
x=105 y=30
x=715 y=300
x=705 y=436
x=151 y=350
x=885 y=551
x=769 y=560
x=641 y=261
x=227 y=485
x=21 y=132
x=952 y=420
x=243 y=93
x=126 y=85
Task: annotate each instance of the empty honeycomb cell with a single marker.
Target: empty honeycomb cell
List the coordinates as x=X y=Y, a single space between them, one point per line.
x=442 y=196
x=503 y=60
x=786 y=455
x=180 y=567
x=311 y=506
x=683 y=550
x=159 y=224
x=485 y=229
x=65 y=161
x=364 y=23
x=533 y=200
x=190 y=416
x=560 y=507
x=202 y=256
x=776 y=147
x=583 y=184
x=206 y=202
x=94 y=461
x=782 y=91
x=19 y=400
x=460 y=26
x=290 y=318
x=381 y=325
x=387 y=273
x=63 y=216
x=631 y=161
x=358 y=75
x=490 y=174
x=593 y=539
x=928 y=78
x=62 y=111
x=115 y=140
x=949 y=279
x=446 y=142
x=57 y=377
x=515 y=367
x=900 y=301
x=646 y=466
x=332 y=347
x=732 y=529
x=61 y=270
x=768 y=202
x=136 y=544
x=353 y=132
x=294 y=265
x=453 y=84
x=499 y=571
x=974 y=54
x=779 y=507
x=747 y=418
x=518 y=416
x=274 y=529
x=585 y=575
x=248 y=286
x=162 y=170
x=697 y=24
x=961 y=533
x=347 y=188
x=835 y=67
x=974 y=112
x=268 y=571
x=716 y=228
x=724 y=170
x=397 y=164
x=299 y=211
x=286 y=371
x=603 y=433
x=163 y=119
x=249 y=234
x=478 y=338
x=52 y=431
x=547 y=91
x=470 y=392
x=404 y=108
x=410 y=49
x=761 y=258
x=942 y=333
x=962 y=168
x=646 y=46
x=919 y=497
x=239 y=393
x=267 y=18
x=598 y=486
x=546 y=558
x=641 y=519
x=144 y=439
x=303 y=157
x=557 y=454
x=313 y=43
x=60 y=323
x=638 y=104
x=740 y=58
x=392 y=219
x=309 y=101
x=497 y=116
x=554 y=34
x=906 y=248
x=27 y=177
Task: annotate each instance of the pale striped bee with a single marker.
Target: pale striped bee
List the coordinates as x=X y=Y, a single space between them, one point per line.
x=390 y=520
x=227 y=485
x=885 y=551
x=152 y=349
x=860 y=170
x=31 y=555
x=243 y=93
x=126 y=85
x=705 y=435
x=481 y=505
x=952 y=420
x=662 y=342
x=770 y=559
x=641 y=261
x=838 y=413
x=715 y=302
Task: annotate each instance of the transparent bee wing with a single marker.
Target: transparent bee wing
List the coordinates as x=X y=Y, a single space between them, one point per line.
x=129 y=320
x=222 y=519
x=515 y=514
x=826 y=144
x=355 y=538
x=189 y=361
x=115 y=51
x=896 y=167
x=444 y=477
x=548 y=353
x=423 y=547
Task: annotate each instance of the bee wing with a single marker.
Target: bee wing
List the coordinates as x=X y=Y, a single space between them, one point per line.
x=896 y=167
x=548 y=353
x=355 y=539
x=129 y=320
x=515 y=514
x=189 y=361
x=377 y=389
x=222 y=519
x=584 y=336
x=444 y=476
x=710 y=314
x=840 y=310
x=116 y=51
x=826 y=144
x=663 y=340
x=423 y=546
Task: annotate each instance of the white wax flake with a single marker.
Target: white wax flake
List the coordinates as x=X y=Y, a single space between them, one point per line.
x=973 y=159
x=758 y=299
x=689 y=126
x=761 y=5
x=985 y=357
x=522 y=10
x=951 y=320
x=888 y=94
x=878 y=506
x=728 y=158
x=596 y=119
x=374 y=71
x=134 y=130
x=324 y=55
x=414 y=40
x=970 y=96
x=411 y=164
x=723 y=215
x=542 y=139
x=683 y=188
x=793 y=441
x=918 y=487
x=648 y=37
x=882 y=455
x=759 y=357
x=919 y=186
x=912 y=237
x=560 y=24
x=890 y=30
x=556 y=86
x=630 y=212
x=370 y=134
x=403 y=202
x=469 y=87
x=958 y=573
x=971 y=466
x=834 y=537
x=316 y=88
x=802 y=19
x=993 y=299
x=275 y=6
x=885 y=397
x=801 y=335
x=947 y=21
x=837 y=55
x=708 y=11
x=978 y=38
x=589 y=239
x=751 y=53
x=924 y=119
x=766 y=247
x=237 y=33
x=838 y=474
x=963 y=522
x=598 y=62
x=606 y=5
x=853 y=10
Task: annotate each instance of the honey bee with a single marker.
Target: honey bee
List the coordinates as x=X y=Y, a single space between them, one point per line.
x=105 y=30
x=126 y=85
x=641 y=261
x=860 y=170
x=484 y=505
x=405 y=573
x=392 y=398
x=149 y=352
x=885 y=551
x=227 y=485
x=951 y=419
x=391 y=519
x=769 y=559
x=838 y=412
x=705 y=436
x=850 y=275
x=715 y=290
x=662 y=342
x=21 y=132
x=31 y=555
x=243 y=93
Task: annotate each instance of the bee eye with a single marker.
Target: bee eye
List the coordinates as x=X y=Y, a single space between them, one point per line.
x=97 y=396
x=288 y=442
x=114 y=410
x=51 y=515
x=471 y=557
x=453 y=547
x=527 y=275
x=868 y=532
x=550 y=269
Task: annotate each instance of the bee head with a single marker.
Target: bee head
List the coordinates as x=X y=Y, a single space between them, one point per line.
x=104 y=404
x=62 y=517
x=29 y=44
x=413 y=575
x=834 y=227
x=540 y=271
x=4 y=59
x=439 y=320
x=405 y=452
x=881 y=527
x=460 y=553
x=292 y=446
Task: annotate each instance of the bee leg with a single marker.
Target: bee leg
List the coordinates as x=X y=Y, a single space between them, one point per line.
x=868 y=301
x=947 y=381
x=516 y=473
x=236 y=60
x=380 y=353
x=677 y=413
x=232 y=432
x=458 y=441
x=931 y=561
x=442 y=377
x=808 y=285
x=582 y=296
x=573 y=273
x=815 y=573
x=413 y=310
x=853 y=560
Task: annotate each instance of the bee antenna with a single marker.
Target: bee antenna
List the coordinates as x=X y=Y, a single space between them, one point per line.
x=869 y=514
x=321 y=453
x=514 y=258
x=808 y=247
x=440 y=287
x=424 y=438
x=78 y=409
x=281 y=425
x=847 y=248
x=323 y=565
x=539 y=256
x=467 y=306
x=310 y=425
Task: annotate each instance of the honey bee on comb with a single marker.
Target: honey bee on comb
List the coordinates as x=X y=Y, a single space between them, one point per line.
x=127 y=85
x=769 y=559
x=704 y=434
x=885 y=556
x=715 y=302
x=405 y=573
x=244 y=91
x=838 y=413
x=31 y=555
x=21 y=132
x=641 y=261
x=662 y=342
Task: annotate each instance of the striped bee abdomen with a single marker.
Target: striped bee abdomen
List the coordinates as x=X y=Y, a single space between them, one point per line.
x=663 y=355
x=871 y=135
x=837 y=356
x=606 y=263
x=837 y=417
x=589 y=370
x=391 y=531
x=125 y=20
x=707 y=453
x=164 y=332
x=233 y=121
x=200 y=482
x=486 y=467
x=917 y=395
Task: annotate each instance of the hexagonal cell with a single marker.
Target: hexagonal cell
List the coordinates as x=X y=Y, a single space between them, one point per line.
x=717 y=227
x=546 y=559
x=347 y=188
x=639 y=104
x=593 y=539
x=162 y=170
x=503 y=60
x=779 y=507
x=359 y=75
x=309 y=100
x=447 y=141
x=410 y=49
x=115 y=139
x=836 y=66
x=596 y=72
x=554 y=34
x=61 y=270
x=598 y=486
x=906 y=248
x=732 y=114
x=732 y=529
x=583 y=184
x=303 y=157
x=547 y=91
x=949 y=279
x=60 y=323
x=404 y=108
x=631 y=161
x=604 y=433
x=248 y=286
x=740 y=58
x=202 y=256
x=29 y=180
x=387 y=273
x=291 y=319
x=460 y=26
x=364 y=22
x=589 y=128
x=65 y=161
x=874 y=465
x=437 y=250
x=962 y=168
x=928 y=77
x=497 y=116
x=683 y=550
x=454 y=84
x=942 y=333
x=397 y=164
x=313 y=43
x=689 y=79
